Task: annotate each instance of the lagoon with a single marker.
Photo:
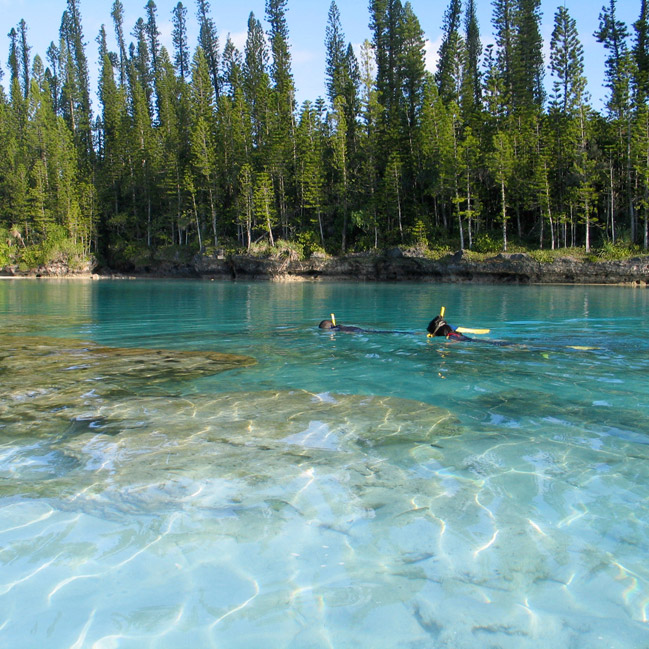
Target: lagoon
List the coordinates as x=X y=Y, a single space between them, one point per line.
x=187 y=463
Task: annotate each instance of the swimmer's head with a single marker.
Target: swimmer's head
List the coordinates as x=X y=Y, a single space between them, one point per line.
x=438 y=327
x=326 y=324
x=434 y=324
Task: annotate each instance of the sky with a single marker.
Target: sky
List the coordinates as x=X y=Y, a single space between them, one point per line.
x=306 y=21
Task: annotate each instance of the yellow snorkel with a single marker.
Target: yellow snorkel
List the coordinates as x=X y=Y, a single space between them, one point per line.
x=462 y=330
x=333 y=319
x=441 y=315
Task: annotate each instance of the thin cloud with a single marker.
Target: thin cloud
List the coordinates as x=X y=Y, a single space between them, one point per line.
x=303 y=56
x=431 y=52
x=238 y=39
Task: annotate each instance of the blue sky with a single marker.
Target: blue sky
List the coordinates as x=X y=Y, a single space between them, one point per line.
x=306 y=21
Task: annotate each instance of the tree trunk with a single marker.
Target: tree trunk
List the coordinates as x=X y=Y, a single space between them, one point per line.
x=504 y=214
x=213 y=214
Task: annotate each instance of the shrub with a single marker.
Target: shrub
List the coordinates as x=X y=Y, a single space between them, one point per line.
x=6 y=250
x=418 y=235
x=310 y=243
x=484 y=242
x=282 y=248
x=621 y=249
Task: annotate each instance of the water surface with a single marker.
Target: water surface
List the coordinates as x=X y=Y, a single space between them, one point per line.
x=196 y=464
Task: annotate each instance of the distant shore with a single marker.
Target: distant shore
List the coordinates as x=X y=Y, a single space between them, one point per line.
x=390 y=265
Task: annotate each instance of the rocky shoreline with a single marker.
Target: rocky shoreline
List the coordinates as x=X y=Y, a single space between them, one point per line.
x=391 y=265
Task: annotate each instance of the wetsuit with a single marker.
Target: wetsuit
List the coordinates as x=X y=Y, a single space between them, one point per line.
x=439 y=327
x=330 y=326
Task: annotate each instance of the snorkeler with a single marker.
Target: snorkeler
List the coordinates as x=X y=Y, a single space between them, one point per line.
x=436 y=327
x=331 y=326
x=439 y=327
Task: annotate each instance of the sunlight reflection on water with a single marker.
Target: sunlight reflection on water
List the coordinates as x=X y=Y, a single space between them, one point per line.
x=344 y=491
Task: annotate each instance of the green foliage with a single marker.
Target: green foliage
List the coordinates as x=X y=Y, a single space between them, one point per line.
x=282 y=249
x=132 y=255
x=168 y=167
x=544 y=256
x=177 y=254
x=621 y=249
x=6 y=250
x=418 y=233
x=57 y=247
x=486 y=242
x=309 y=242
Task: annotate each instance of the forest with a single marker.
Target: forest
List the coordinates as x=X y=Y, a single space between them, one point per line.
x=203 y=149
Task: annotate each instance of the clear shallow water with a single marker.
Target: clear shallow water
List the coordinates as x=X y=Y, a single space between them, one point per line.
x=343 y=491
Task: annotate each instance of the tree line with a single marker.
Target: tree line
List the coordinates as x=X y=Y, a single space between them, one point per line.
x=204 y=148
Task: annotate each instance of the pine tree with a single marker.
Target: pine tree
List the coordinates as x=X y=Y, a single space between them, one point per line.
x=433 y=122
x=208 y=40
x=641 y=52
x=173 y=136
x=451 y=54
x=282 y=153
x=310 y=172
x=246 y=202
x=141 y=61
x=265 y=203
x=568 y=110
x=52 y=75
x=78 y=81
x=504 y=17
x=202 y=134
x=232 y=68
x=527 y=57
x=471 y=79
x=340 y=165
x=640 y=153
x=117 y=13
x=393 y=192
x=142 y=160
x=16 y=94
x=280 y=69
x=153 y=36
x=613 y=34
x=256 y=82
x=343 y=76
x=412 y=63
x=412 y=74
x=567 y=64
x=233 y=136
x=181 y=57
x=501 y=165
x=470 y=158
x=335 y=54
x=153 y=42
x=112 y=101
x=385 y=22
x=23 y=53
x=366 y=218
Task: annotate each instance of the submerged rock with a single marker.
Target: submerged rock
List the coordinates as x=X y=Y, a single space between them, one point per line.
x=47 y=382
x=242 y=435
x=294 y=418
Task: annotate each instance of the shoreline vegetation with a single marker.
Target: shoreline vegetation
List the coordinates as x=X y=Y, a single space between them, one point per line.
x=570 y=266
x=201 y=147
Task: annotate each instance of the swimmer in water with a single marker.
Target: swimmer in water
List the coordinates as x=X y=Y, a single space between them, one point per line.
x=439 y=327
x=436 y=327
x=328 y=325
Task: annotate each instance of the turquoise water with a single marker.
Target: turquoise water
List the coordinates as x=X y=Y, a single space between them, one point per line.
x=288 y=487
